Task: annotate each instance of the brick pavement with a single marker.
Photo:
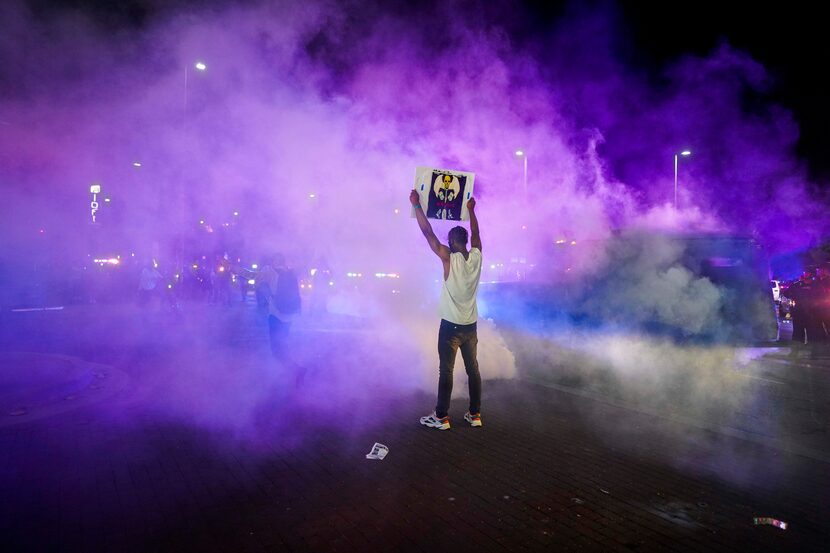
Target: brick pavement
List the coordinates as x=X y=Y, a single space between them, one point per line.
x=548 y=471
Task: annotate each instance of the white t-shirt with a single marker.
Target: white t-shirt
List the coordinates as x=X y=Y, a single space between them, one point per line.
x=458 y=293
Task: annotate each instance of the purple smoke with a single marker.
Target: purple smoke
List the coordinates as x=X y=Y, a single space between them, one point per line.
x=310 y=119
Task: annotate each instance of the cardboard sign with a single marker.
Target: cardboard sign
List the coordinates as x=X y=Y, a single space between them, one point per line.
x=444 y=193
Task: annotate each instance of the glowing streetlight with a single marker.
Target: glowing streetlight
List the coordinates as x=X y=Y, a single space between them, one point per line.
x=684 y=153
x=199 y=66
x=522 y=154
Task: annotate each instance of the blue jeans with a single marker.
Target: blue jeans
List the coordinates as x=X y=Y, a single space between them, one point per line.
x=278 y=334
x=451 y=337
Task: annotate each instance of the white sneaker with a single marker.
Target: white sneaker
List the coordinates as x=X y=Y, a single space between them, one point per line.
x=434 y=422
x=474 y=420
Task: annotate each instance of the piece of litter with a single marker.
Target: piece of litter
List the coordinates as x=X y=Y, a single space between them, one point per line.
x=577 y=500
x=770 y=521
x=605 y=491
x=450 y=499
x=506 y=497
x=379 y=451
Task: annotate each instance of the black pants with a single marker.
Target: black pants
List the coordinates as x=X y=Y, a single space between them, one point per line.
x=808 y=328
x=278 y=333
x=451 y=337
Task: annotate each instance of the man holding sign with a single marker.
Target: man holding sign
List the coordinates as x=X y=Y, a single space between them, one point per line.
x=459 y=313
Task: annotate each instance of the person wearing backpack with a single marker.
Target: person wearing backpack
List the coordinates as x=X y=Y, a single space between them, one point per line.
x=283 y=301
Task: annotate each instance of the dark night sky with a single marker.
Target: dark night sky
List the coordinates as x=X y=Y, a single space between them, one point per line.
x=790 y=42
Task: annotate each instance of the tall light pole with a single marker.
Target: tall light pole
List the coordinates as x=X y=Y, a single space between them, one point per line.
x=199 y=66
x=683 y=153
x=522 y=154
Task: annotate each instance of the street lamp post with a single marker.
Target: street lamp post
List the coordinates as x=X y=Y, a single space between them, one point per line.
x=199 y=66
x=522 y=154
x=683 y=153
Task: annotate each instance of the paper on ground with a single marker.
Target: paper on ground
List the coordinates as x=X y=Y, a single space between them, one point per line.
x=379 y=451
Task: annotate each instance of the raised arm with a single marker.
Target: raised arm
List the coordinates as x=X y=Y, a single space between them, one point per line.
x=475 y=237
x=440 y=250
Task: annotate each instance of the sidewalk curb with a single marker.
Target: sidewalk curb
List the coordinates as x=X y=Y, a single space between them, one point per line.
x=107 y=382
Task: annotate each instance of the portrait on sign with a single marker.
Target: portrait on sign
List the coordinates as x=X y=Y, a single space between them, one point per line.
x=444 y=193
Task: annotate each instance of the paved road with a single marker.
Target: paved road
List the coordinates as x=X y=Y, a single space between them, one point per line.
x=552 y=469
